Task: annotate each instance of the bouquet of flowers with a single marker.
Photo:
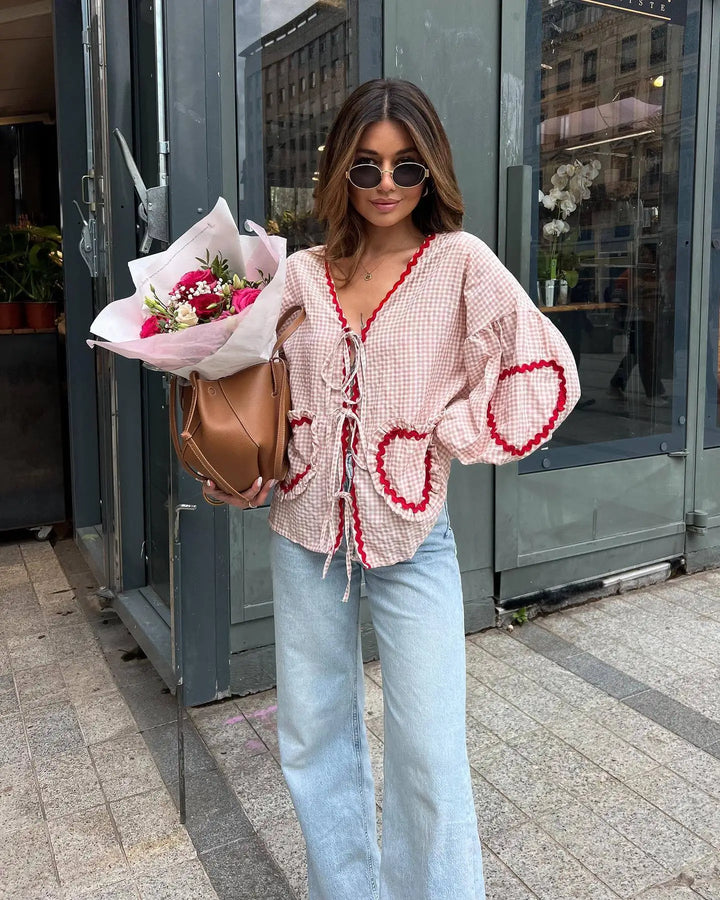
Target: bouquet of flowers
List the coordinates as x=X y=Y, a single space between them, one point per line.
x=201 y=296
x=215 y=318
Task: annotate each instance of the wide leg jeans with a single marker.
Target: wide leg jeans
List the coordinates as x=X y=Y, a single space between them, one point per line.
x=430 y=845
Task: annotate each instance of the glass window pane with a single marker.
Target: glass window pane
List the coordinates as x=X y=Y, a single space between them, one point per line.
x=304 y=61
x=612 y=153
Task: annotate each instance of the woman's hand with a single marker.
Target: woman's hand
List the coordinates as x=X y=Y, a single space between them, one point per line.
x=254 y=496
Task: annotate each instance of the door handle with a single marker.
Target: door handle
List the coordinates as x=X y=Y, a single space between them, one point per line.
x=178 y=509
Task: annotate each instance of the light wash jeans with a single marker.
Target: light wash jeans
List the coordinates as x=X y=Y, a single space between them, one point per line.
x=430 y=845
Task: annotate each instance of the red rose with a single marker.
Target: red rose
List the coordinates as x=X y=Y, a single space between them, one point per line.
x=244 y=297
x=190 y=281
x=205 y=304
x=150 y=327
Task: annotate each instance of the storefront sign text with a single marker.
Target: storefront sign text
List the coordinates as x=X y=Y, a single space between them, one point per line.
x=672 y=11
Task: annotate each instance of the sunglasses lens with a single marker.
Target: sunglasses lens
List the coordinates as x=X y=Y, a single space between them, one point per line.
x=408 y=174
x=365 y=176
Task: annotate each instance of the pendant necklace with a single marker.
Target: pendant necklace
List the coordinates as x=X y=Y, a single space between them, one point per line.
x=368 y=275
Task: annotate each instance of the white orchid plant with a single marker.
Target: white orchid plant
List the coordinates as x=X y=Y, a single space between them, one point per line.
x=571 y=185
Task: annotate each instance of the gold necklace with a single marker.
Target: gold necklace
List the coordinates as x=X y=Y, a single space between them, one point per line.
x=369 y=275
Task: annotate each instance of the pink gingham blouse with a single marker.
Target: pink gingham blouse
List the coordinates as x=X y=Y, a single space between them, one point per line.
x=455 y=362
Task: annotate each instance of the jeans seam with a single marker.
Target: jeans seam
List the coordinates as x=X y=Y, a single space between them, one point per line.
x=360 y=783
x=448 y=526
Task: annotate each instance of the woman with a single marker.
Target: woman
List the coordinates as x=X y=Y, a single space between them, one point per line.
x=418 y=347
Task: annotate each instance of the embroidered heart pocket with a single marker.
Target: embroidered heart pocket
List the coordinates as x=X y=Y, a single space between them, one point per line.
x=409 y=469
x=526 y=404
x=301 y=454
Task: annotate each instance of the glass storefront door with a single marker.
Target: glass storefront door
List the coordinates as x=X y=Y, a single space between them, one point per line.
x=610 y=128
x=609 y=132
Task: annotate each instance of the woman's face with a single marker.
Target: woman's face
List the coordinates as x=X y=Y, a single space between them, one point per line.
x=385 y=144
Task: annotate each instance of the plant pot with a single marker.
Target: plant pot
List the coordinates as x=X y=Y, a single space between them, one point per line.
x=40 y=315
x=563 y=292
x=550 y=292
x=11 y=315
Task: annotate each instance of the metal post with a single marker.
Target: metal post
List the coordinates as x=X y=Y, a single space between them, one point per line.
x=180 y=747
x=163 y=145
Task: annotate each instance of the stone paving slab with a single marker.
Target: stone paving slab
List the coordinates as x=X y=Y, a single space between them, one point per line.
x=593 y=739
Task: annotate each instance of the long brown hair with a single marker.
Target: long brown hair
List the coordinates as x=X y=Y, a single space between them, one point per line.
x=441 y=209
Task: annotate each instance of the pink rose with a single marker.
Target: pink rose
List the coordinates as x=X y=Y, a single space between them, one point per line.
x=150 y=327
x=244 y=297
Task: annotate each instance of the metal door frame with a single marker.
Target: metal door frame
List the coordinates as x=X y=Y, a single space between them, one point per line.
x=703 y=536
x=81 y=387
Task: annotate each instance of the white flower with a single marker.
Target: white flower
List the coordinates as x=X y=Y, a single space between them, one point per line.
x=576 y=186
x=567 y=205
x=555 y=228
x=559 y=181
x=540 y=196
x=548 y=201
x=185 y=315
x=596 y=164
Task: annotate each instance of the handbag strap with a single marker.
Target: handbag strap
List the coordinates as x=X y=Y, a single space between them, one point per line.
x=174 y=430
x=284 y=335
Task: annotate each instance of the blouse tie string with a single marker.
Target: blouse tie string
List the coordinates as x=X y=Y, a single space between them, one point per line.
x=345 y=453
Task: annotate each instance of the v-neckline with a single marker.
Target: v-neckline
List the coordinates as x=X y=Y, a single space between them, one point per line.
x=366 y=327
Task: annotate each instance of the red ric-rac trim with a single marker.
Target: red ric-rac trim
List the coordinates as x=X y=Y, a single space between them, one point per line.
x=298 y=476
x=366 y=327
x=391 y=435
x=359 y=542
x=559 y=406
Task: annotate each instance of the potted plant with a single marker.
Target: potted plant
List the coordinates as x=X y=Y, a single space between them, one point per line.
x=571 y=185
x=11 y=288
x=42 y=271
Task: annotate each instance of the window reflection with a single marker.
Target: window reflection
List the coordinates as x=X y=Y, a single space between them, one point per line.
x=608 y=120
x=294 y=79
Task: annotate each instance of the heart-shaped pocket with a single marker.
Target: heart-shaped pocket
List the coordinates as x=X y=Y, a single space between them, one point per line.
x=526 y=404
x=300 y=452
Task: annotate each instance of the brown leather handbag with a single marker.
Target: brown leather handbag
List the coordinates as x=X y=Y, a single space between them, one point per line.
x=235 y=429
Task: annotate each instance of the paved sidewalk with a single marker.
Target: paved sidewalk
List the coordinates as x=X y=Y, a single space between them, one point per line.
x=83 y=809
x=594 y=740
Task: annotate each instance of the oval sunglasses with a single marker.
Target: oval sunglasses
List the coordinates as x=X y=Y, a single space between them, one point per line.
x=405 y=175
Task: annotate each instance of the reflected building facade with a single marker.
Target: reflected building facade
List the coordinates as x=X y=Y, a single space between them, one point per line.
x=296 y=78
